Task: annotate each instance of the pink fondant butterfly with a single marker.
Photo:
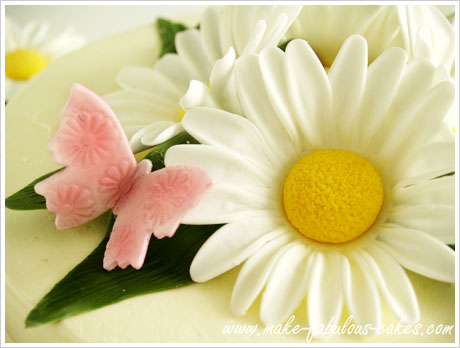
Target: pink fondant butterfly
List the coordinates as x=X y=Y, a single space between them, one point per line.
x=102 y=173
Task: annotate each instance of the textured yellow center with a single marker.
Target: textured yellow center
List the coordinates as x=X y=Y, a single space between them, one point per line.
x=22 y=64
x=332 y=196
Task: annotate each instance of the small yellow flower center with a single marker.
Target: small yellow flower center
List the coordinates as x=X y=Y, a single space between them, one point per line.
x=23 y=63
x=332 y=196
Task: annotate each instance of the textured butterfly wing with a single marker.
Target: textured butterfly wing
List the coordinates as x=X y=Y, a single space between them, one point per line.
x=99 y=163
x=155 y=205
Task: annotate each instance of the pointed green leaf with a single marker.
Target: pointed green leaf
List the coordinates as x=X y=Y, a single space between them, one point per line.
x=88 y=286
x=168 y=31
x=27 y=198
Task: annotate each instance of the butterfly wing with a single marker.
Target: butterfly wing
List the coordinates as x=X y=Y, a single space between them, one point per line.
x=156 y=204
x=99 y=163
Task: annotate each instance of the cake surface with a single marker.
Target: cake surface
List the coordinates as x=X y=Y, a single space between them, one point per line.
x=38 y=255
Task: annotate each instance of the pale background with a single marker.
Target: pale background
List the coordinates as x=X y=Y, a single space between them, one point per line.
x=97 y=21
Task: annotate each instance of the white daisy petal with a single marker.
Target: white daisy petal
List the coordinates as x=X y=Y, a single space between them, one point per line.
x=136 y=142
x=38 y=35
x=394 y=284
x=280 y=20
x=198 y=94
x=241 y=240
x=426 y=117
x=361 y=294
x=62 y=44
x=326 y=27
x=286 y=286
x=255 y=272
x=271 y=61
x=140 y=114
x=12 y=38
x=29 y=32
x=419 y=252
x=437 y=220
x=149 y=80
x=416 y=179
x=325 y=293
x=172 y=66
x=271 y=24
x=191 y=49
x=437 y=191
x=236 y=132
x=383 y=78
x=428 y=33
x=225 y=203
x=274 y=33
x=433 y=157
x=243 y=21
x=309 y=90
x=222 y=82
x=225 y=28
x=257 y=106
x=162 y=134
x=210 y=30
x=222 y=164
x=348 y=80
x=417 y=80
x=256 y=38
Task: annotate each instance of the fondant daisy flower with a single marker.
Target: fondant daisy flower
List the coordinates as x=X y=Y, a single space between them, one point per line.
x=30 y=49
x=148 y=104
x=423 y=31
x=329 y=185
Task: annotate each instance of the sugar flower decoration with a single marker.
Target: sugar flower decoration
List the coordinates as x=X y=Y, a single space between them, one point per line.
x=326 y=189
x=148 y=105
x=422 y=30
x=29 y=49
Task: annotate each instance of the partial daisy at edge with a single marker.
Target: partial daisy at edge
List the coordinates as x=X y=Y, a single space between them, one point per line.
x=330 y=185
x=29 y=49
x=423 y=31
x=149 y=104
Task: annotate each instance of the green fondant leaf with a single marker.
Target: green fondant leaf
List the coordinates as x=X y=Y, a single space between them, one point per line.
x=27 y=198
x=157 y=155
x=88 y=286
x=168 y=31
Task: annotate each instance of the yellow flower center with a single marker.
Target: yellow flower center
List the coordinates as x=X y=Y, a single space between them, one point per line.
x=332 y=196
x=23 y=63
